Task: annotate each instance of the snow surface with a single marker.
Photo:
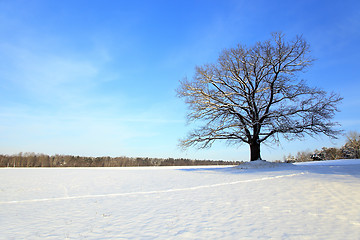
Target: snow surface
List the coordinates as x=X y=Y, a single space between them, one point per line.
x=262 y=164
x=317 y=200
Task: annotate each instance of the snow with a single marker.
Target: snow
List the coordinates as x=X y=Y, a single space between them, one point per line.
x=331 y=163
x=262 y=164
x=317 y=200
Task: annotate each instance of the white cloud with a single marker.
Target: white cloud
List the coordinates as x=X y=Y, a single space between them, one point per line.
x=47 y=73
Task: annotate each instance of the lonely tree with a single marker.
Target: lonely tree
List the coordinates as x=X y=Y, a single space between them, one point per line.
x=253 y=94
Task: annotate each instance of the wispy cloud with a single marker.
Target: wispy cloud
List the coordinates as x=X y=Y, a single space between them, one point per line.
x=48 y=74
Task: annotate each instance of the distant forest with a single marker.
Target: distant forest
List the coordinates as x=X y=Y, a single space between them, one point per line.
x=42 y=160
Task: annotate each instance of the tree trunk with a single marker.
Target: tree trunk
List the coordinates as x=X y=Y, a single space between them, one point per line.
x=255 y=151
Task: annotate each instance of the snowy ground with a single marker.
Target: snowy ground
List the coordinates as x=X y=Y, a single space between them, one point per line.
x=318 y=200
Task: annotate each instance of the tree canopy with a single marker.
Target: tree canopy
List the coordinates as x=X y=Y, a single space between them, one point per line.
x=254 y=94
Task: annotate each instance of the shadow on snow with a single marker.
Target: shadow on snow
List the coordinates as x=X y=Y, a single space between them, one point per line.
x=346 y=170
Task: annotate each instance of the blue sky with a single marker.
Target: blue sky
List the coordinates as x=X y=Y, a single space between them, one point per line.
x=98 y=78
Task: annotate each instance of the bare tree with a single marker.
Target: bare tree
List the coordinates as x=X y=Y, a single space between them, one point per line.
x=331 y=153
x=352 y=146
x=303 y=156
x=252 y=95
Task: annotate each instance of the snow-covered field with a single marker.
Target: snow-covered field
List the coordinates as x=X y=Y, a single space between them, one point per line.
x=318 y=200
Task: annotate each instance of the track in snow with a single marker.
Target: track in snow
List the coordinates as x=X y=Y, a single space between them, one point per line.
x=149 y=192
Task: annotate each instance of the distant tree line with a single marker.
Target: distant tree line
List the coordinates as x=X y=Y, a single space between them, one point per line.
x=42 y=160
x=350 y=150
